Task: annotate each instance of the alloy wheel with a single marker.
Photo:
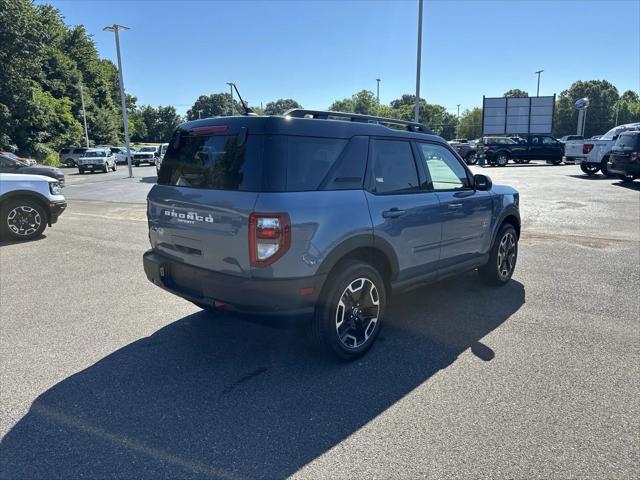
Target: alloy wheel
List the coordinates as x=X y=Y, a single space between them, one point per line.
x=24 y=220
x=357 y=313
x=506 y=256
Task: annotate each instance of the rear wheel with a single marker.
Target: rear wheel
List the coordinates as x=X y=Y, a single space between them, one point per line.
x=502 y=260
x=604 y=168
x=471 y=159
x=137 y=164
x=22 y=219
x=350 y=311
x=502 y=159
x=69 y=162
x=589 y=168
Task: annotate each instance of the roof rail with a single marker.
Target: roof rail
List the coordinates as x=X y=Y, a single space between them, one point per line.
x=356 y=117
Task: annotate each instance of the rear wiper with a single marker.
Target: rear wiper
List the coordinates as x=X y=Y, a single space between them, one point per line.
x=247 y=110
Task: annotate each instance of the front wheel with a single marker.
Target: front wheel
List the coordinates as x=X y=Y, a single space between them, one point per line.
x=349 y=312
x=502 y=260
x=589 y=168
x=471 y=159
x=22 y=219
x=605 y=169
x=502 y=159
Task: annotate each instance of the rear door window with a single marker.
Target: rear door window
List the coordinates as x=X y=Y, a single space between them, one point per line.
x=216 y=162
x=393 y=167
x=299 y=164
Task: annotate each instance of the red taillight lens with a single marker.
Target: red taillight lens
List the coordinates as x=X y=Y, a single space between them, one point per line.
x=269 y=237
x=587 y=147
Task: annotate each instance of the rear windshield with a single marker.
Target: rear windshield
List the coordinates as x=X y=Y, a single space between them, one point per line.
x=214 y=162
x=629 y=141
x=290 y=163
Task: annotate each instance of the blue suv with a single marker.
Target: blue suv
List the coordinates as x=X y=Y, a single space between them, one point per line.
x=321 y=215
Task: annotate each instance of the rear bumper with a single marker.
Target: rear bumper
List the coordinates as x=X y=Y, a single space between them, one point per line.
x=573 y=160
x=264 y=297
x=624 y=168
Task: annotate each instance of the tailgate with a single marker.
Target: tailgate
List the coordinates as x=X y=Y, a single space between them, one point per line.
x=205 y=228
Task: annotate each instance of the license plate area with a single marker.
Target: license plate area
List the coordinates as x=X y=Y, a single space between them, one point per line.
x=183 y=279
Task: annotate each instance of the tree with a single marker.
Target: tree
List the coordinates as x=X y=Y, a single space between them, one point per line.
x=345 y=105
x=363 y=102
x=600 y=114
x=214 y=105
x=470 y=125
x=280 y=106
x=627 y=108
x=515 y=92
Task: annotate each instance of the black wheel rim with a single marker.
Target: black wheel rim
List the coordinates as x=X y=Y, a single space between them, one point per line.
x=502 y=160
x=357 y=313
x=507 y=253
x=24 y=220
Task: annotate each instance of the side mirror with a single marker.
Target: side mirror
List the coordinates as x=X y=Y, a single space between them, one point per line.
x=482 y=182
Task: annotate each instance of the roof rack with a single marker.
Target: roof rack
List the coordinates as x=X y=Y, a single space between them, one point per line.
x=356 y=117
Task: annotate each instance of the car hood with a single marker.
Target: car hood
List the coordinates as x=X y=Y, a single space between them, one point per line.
x=42 y=170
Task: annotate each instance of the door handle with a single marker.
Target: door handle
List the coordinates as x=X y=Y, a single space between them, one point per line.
x=393 y=213
x=454 y=206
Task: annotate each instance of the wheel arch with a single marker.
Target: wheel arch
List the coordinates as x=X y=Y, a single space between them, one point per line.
x=29 y=195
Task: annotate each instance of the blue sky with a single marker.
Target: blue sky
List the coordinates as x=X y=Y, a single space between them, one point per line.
x=319 y=51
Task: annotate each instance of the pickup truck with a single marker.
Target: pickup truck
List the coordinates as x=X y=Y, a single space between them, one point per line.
x=592 y=155
x=499 y=150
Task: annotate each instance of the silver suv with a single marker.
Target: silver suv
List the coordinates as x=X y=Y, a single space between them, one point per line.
x=97 y=160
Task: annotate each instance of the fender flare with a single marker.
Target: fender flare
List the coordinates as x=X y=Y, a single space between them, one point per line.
x=37 y=196
x=507 y=212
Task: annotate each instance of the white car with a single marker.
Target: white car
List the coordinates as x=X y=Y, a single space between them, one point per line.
x=97 y=160
x=28 y=203
x=592 y=155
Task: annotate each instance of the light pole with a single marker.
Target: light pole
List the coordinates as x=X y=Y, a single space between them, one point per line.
x=115 y=29
x=418 y=57
x=378 y=91
x=231 y=84
x=538 y=89
x=84 y=117
x=458 y=120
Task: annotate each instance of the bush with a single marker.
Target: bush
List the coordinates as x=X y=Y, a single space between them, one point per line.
x=45 y=155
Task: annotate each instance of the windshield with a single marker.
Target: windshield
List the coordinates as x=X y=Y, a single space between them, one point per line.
x=616 y=131
x=95 y=153
x=147 y=149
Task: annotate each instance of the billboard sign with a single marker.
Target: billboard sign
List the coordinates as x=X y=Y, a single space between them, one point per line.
x=512 y=116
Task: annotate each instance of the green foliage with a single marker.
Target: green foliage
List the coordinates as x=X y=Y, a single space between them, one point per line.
x=470 y=125
x=214 y=105
x=280 y=106
x=516 y=92
x=363 y=102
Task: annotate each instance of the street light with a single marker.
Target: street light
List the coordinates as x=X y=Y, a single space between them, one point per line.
x=419 y=55
x=231 y=85
x=378 y=91
x=458 y=121
x=115 y=29
x=538 y=90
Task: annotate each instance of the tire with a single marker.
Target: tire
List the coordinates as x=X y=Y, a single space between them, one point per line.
x=106 y=168
x=527 y=160
x=80 y=171
x=589 y=168
x=471 y=159
x=517 y=160
x=348 y=319
x=69 y=162
x=22 y=219
x=503 y=257
x=557 y=162
x=137 y=164
x=115 y=166
x=502 y=159
x=626 y=178
x=604 y=169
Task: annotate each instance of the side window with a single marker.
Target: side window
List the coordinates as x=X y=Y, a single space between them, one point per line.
x=446 y=172
x=548 y=141
x=393 y=167
x=347 y=173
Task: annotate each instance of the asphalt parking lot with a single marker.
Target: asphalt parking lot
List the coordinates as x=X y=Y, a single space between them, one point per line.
x=104 y=375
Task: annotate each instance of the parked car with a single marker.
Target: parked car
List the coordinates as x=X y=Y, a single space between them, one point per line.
x=147 y=154
x=97 y=159
x=70 y=156
x=9 y=163
x=163 y=150
x=593 y=155
x=499 y=150
x=568 y=138
x=27 y=161
x=312 y=216
x=121 y=154
x=28 y=203
x=624 y=159
x=466 y=151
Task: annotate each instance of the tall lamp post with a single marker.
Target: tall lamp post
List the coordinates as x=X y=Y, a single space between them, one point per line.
x=378 y=91
x=538 y=89
x=231 y=84
x=458 y=121
x=419 y=55
x=115 y=29
x=84 y=118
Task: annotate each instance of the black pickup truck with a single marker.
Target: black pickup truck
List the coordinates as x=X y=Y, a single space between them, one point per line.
x=499 y=150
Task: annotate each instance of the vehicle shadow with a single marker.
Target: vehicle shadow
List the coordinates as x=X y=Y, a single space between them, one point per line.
x=218 y=397
x=6 y=243
x=597 y=176
x=630 y=185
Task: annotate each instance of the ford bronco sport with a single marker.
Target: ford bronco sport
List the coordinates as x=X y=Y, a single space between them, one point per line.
x=310 y=215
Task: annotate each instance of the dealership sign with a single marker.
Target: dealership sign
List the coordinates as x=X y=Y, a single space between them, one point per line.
x=511 y=115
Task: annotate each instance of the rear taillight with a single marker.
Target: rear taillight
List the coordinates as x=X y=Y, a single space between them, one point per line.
x=633 y=156
x=269 y=237
x=587 y=147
